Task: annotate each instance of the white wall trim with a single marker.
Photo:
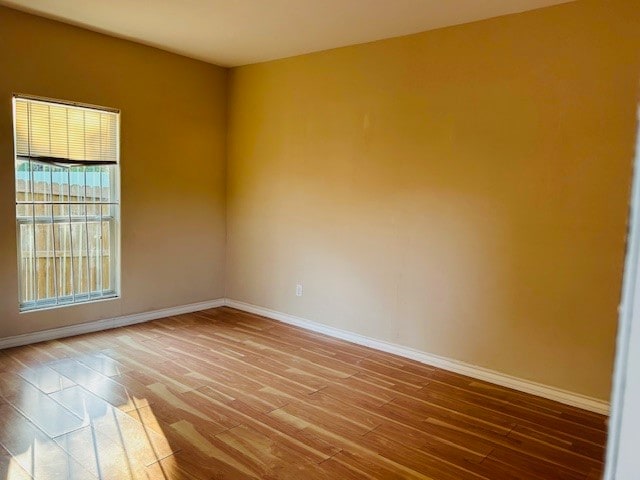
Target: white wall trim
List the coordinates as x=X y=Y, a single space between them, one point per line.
x=105 y=324
x=545 y=391
x=527 y=386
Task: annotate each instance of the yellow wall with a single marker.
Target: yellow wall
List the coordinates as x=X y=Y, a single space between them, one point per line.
x=172 y=162
x=463 y=191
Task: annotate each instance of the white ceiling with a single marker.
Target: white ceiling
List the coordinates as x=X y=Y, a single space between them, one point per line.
x=239 y=32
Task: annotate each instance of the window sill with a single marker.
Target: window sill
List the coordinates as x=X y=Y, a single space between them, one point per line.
x=32 y=308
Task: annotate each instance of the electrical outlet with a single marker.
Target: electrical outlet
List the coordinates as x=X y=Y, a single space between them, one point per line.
x=299 y=290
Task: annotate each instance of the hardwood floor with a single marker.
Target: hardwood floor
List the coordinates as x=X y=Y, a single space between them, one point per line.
x=220 y=395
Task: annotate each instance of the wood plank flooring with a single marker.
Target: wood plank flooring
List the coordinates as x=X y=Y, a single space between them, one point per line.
x=221 y=395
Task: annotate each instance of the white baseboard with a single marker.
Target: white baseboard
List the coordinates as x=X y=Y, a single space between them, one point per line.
x=545 y=391
x=480 y=373
x=105 y=324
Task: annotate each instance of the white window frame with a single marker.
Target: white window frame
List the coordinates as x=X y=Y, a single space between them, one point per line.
x=114 y=219
x=623 y=461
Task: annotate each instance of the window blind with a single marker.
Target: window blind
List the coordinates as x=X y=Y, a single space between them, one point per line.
x=65 y=134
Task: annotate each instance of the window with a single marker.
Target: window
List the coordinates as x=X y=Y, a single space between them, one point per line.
x=67 y=206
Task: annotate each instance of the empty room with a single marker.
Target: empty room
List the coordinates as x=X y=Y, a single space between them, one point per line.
x=319 y=239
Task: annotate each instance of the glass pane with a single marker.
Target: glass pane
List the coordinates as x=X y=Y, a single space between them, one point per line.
x=77 y=188
x=23 y=181
x=43 y=211
x=93 y=210
x=107 y=259
x=93 y=183
x=60 y=189
x=80 y=257
x=106 y=176
x=45 y=262
x=42 y=189
x=62 y=212
x=41 y=182
x=64 y=262
x=24 y=211
x=95 y=256
x=27 y=264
